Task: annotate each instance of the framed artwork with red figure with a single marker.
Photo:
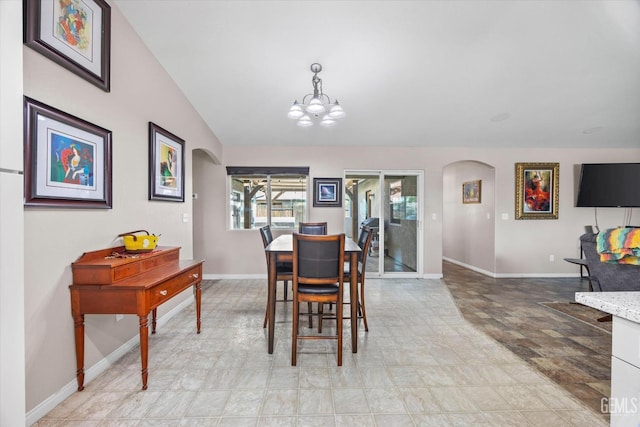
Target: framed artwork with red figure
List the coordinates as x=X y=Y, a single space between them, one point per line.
x=75 y=34
x=537 y=190
x=67 y=160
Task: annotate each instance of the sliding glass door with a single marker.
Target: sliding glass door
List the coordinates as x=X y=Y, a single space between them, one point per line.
x=389 y=203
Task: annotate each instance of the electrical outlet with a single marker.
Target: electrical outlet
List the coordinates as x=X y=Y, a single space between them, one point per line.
x=119 y=317
x=552 y=258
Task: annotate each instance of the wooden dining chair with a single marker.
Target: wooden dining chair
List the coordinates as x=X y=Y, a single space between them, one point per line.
x=364 y=241
x=316 y=228
x=318 y=276
x=284 y=267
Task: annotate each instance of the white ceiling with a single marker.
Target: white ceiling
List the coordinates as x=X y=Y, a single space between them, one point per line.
x=469 y=73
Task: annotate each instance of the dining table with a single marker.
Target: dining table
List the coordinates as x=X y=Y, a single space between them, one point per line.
x=283 y=246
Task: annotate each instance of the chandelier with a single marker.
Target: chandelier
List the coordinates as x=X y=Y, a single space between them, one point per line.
x=316 y=104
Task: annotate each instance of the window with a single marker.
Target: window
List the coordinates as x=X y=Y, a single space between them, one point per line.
x=261 y=196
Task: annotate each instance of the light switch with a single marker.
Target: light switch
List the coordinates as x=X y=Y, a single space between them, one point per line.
x=185 y=217
x=434 y=216
x=504 y=216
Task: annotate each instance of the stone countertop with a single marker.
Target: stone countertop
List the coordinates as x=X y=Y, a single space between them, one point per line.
x=621 y=304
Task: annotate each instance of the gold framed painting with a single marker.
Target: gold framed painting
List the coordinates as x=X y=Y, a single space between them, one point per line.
x=537 y=190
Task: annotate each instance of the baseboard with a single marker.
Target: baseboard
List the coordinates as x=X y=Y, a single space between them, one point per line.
x=94 y=371
x=234 y=276
x=511 y=275
x=470 y=267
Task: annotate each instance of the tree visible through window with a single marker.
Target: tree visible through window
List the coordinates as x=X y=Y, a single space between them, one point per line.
x=279 y=200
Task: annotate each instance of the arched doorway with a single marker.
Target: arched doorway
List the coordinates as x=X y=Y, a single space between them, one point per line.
x=468 y=226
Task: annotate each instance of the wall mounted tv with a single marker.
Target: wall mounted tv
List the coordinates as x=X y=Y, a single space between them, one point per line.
x=609 y=185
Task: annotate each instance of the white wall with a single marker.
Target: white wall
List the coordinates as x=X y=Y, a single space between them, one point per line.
x=141 y=91
x=12 y=381
x=522 y=247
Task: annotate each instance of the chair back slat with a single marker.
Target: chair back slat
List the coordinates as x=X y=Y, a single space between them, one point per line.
x=364 y=241
x=318 y=257
x=267 y=236
x=314 y=228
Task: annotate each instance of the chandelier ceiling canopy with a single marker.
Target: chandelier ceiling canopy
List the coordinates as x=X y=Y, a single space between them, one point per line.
x=316 y=105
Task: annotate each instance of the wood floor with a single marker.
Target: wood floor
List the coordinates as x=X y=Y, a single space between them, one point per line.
x=573 y=354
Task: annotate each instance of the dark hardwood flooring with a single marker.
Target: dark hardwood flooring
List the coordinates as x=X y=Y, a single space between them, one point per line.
x=574 y=354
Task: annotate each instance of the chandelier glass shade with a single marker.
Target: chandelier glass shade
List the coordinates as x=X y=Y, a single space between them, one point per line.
x=316 y=106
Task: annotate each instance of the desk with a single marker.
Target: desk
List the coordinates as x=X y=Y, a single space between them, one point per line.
x=103 y=285
x=284 y=245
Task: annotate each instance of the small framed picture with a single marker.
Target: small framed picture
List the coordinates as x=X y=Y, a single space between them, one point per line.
x=166 y=165
x=472 y=191
x=67 y=160
x=537 y=190
x=327 y=192
x=76 y=34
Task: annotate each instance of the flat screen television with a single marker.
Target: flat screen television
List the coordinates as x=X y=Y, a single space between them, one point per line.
x=609 y=185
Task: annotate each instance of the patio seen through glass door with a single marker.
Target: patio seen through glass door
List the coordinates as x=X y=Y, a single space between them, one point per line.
x=388 y=204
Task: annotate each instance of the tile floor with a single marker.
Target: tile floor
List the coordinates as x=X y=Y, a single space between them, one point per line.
x=572 y=353
x=420 y=364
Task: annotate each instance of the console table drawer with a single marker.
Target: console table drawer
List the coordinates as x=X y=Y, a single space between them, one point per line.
x=170 y=288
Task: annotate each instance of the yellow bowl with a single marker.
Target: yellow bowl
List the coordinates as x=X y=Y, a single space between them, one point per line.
x=143 y=243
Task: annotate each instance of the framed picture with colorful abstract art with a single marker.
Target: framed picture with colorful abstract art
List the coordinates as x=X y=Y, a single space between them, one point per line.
x=166 y=165
x=67 y=161
x=76 y=34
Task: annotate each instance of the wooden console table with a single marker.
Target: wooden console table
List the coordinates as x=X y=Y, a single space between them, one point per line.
x=110 y=281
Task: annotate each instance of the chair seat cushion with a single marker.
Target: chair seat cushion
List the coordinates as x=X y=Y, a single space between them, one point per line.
x=284 y=267
x=347 y=268
x=318 y=289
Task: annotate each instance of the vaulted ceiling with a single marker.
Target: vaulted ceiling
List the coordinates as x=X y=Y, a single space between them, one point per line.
x=441 y=73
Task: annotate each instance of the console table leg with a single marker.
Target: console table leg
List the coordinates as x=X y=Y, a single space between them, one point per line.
x=78 y=324
x=154 y=312
x=198 y=288
x=144 y=348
